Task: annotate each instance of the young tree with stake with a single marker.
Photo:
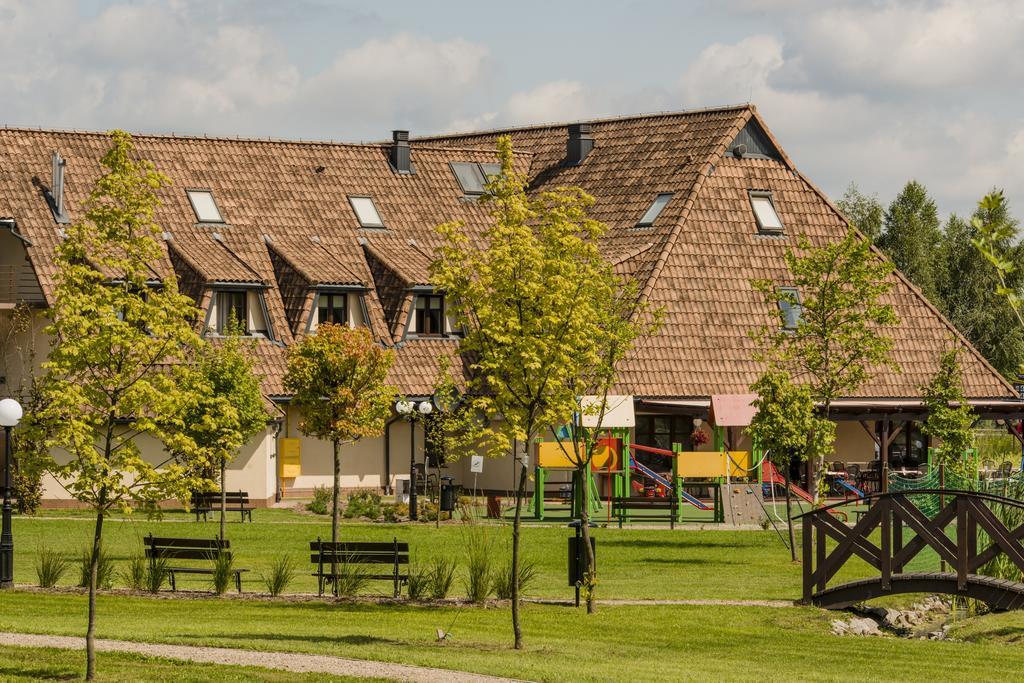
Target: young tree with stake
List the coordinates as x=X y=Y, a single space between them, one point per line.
x=840 y=337
x=337 y=377
x=523 y=294
x=115 y=370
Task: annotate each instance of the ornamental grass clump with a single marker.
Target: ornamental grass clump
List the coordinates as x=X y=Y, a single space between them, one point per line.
x=223 y=572
x=440 y=578
x=280 y=576
x=417 y=583
x=50 y=567
x=105 y=569
x=135 y=575
x=351 y=578
x=479 y=565
x=503 y=579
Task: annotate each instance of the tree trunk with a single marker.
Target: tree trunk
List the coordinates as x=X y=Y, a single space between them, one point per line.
x=516 y=528
x=789 y=520
x=590 y=577
x=90 y=633
x=223 y=497
x=335 y=511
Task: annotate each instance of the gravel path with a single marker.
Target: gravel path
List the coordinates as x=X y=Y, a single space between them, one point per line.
x=287 y=661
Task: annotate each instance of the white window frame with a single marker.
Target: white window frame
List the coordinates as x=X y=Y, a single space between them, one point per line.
x=354 y=201
x=762 y=227
x=192 y=194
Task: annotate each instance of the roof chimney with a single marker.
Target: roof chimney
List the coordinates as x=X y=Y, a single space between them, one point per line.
x=57 y=188
x=580 y=144
x=400 y=157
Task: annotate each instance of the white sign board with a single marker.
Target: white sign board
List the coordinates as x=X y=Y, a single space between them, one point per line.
x=618 y=412
x=476 y=464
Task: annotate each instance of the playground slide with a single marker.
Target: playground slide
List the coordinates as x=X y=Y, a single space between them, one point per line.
x=651 y=474
x=850 y=487
x=770 y=475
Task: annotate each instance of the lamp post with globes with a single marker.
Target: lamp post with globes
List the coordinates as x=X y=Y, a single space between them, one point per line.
x=411 y=411
x=10 y=415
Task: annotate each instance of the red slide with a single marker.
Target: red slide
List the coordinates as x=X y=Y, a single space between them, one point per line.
x=770 y=475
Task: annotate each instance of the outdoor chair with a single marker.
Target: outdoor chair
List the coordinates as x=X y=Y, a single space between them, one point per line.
x=1005 y=469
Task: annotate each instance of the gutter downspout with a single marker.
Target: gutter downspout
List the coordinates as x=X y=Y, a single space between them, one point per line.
x=278 y=426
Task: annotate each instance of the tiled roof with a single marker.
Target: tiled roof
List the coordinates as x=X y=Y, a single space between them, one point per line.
x=288 y=224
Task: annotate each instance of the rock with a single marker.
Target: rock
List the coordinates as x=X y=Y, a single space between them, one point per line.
x=840 y=628
x=862 y=626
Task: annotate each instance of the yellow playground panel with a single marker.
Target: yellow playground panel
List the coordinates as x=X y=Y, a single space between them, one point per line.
x=550 y=455
x=290 y=458
x=712 y=464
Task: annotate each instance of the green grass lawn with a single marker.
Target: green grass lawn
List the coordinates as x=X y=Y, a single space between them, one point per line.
x=642 y=643
x=633 y=563
x=34 y=664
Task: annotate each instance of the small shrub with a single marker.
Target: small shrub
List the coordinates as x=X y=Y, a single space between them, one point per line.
x=351 y=578
x=135 y=577
x=417 y=585
x=479 y=554
x=441 y=577
x=503 y=579
x=223 y=572
x=428 y=511
x=156 y=574
x=394 y=512
x=104 y=569
x=321 y=503
x=282 y=572
x=363 y=504
x=50 y=567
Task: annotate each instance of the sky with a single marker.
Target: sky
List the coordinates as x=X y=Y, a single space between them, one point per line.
x=875 y=92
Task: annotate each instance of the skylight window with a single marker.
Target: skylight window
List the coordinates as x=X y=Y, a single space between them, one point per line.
x=789 y=304
x=366 y=212
x=656 y=207
x=204 y=206
x=473 y=178
x=768 y=220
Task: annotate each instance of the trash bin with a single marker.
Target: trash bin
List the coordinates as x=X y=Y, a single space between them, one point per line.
x=578 y=556
x=448 y=495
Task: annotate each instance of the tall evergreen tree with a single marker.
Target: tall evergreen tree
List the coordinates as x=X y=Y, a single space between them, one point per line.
x=912 y=233
x=969 y=294
x=864 y=212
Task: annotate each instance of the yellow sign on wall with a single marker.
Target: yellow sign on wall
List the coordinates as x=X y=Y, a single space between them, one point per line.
x=290 y=456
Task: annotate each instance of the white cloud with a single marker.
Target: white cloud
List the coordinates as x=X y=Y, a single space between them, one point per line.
x=554 y=101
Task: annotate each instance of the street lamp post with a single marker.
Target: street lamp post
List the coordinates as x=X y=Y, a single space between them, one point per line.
x=409 y=411
x=10 y=414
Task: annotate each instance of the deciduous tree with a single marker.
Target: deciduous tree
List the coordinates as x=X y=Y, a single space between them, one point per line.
x=840 y=338
x=525 y=295
x=338 y=379
x=950 y=418
x=787 y=428
x=864 y=212
x=230 y=410
x=120 y=339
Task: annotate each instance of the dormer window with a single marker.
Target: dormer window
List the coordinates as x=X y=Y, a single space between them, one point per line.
x=647 y=220
x=789 y=305
x=768 y=221
x=366 y=212
x=473 y=178
x=232 y=305
x=204 y=206
x=332 y=308
x=429 y=315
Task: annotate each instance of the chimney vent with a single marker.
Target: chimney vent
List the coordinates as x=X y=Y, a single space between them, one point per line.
x=57 y=188
x=580 y=144
x=400 y=157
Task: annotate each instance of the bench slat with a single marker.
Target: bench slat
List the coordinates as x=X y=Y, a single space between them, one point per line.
x=185 y=554
x=349 y=558
x=353 y=546
x=187 y=543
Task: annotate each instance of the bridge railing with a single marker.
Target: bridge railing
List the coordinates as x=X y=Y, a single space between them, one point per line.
x=904 y=531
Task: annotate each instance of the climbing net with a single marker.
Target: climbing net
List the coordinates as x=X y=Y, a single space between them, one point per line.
x=1008 y=487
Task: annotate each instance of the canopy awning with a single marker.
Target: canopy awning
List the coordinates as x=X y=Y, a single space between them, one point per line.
x=732 y=410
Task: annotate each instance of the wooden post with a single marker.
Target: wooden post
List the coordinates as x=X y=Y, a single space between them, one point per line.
x=808 y=559
x=883 y=483
x=886 y=543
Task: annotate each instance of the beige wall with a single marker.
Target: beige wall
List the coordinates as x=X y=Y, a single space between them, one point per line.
x=251 y=471
x=853 y=444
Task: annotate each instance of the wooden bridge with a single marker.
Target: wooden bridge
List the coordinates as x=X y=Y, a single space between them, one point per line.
x=980 y=536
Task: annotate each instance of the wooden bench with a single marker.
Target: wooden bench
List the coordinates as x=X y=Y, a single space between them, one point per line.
x=206 y=502
x=669 y=505
x=325 y=554
x=189 y=549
